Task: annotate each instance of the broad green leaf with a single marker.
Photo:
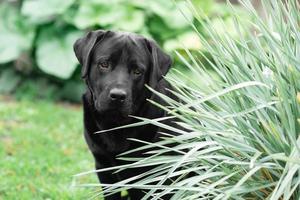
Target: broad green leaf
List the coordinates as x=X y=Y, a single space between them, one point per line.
x=87 y=16
x=16 y=34
x=72 y=91
x=115 y=14
x=40 y=11
x=172 y=13
x=98 y=13
x=8 y=81
x=55 y=54
x=159 y=28
x=133 y=21
x=160 y=8
x=179 y=17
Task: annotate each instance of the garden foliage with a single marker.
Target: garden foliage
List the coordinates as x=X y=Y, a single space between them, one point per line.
x=36 y=36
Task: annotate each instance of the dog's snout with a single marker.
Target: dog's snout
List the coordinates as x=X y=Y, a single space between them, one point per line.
x=117 y=94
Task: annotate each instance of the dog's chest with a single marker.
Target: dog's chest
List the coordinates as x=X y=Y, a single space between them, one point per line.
x=115 y=142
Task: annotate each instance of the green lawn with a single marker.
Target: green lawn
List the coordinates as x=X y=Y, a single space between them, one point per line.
x=41 y=147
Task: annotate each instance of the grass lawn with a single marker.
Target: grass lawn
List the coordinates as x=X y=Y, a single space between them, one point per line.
x=41 y=147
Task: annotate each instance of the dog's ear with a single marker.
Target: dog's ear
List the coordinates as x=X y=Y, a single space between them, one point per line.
x=161 y=63
x=84 y=46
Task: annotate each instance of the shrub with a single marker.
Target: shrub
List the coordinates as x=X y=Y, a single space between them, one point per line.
x=243 y=124
x=37 y=36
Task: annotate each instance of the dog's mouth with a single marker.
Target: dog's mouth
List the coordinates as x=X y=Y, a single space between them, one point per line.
x=116 y=112
x=110 y=110
x=115 y=117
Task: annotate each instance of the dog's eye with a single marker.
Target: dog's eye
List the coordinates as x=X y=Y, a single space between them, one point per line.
x=104 y=64
x=137 y=72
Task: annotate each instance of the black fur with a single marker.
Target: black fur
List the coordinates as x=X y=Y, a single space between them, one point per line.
x=121 y=63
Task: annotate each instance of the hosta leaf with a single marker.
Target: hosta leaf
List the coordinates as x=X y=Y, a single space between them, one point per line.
x=55 y=54
x=72 y=91
x=86 y=16
x=16 y=34
x=8 y=81
x=40 y=11
x=171 y=13
x=131 y=21
x=98 y=13
x=114 y=14
x=160 y=8
x=175 y=18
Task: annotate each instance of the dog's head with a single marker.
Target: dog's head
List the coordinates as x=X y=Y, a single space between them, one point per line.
x=116 y=67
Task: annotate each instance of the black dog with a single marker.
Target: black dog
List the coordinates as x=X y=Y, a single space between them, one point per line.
x=116 y=66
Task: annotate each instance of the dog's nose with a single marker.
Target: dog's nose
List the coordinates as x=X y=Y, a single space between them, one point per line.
x=117 y=94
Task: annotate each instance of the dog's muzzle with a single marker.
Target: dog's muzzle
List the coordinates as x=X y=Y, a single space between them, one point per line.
x=117 y=95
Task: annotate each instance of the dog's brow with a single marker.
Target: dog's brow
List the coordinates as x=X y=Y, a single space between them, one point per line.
x=138 y=64
x=101 y=58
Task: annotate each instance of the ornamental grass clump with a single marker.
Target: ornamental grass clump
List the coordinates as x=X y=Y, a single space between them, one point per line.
x=241 y=126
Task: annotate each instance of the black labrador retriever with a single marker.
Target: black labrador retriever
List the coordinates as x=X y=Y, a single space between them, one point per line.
x=116 y=66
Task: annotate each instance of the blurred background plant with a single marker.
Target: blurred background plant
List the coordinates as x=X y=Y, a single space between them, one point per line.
x=36 y=36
